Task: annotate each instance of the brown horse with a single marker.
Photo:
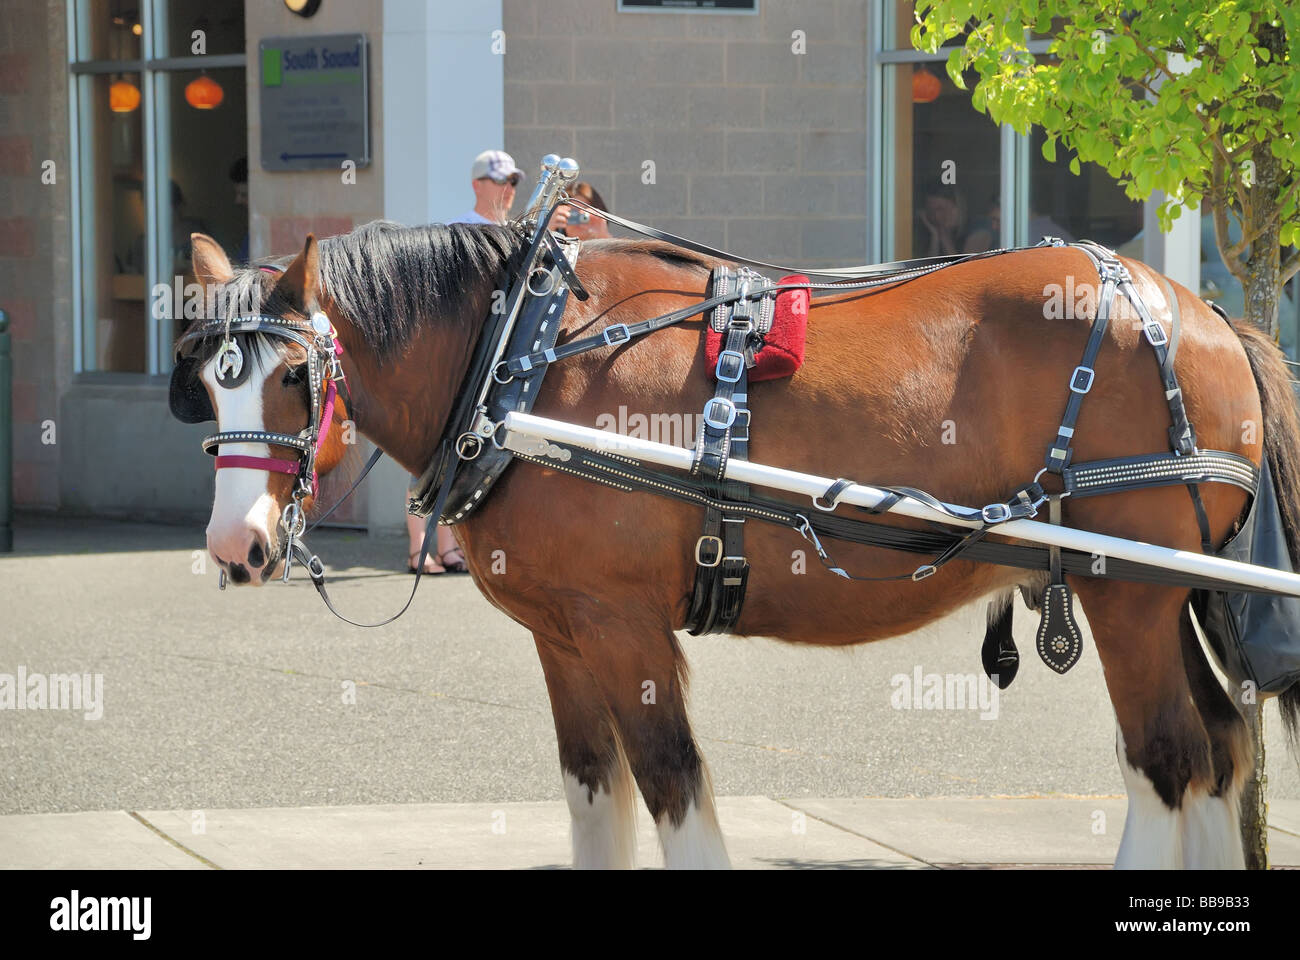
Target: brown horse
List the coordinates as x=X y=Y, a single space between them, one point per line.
x=602 y=578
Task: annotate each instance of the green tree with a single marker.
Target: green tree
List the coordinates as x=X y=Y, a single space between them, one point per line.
x=1196 y=98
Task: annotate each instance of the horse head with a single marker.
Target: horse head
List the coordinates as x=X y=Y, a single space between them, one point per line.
x=264 y=363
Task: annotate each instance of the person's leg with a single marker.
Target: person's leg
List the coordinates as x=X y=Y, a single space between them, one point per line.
x=415 y=538
x=449 y=552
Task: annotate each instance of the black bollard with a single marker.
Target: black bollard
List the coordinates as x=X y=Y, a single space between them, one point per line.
x=6 y=440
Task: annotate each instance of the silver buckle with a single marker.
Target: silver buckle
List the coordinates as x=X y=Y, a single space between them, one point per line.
x=700 y=543
x=1088 y=373
x=996 y=513
x=1155 y=334
x=608 y=334
x=737 y=359
x=717 y=424
x=742 y=412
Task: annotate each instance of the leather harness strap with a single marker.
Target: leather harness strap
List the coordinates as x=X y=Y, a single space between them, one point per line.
x=1150 y=470
x=721 y=570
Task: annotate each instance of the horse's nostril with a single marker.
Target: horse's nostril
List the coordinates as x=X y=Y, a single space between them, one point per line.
x=256 y=556
x=239 y=573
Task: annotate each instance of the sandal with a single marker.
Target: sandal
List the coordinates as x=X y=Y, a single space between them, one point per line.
x=428 y=559
x=455 y=566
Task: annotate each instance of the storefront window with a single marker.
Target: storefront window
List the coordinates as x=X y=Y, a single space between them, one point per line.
x=161 y=142
x=943 y=164
x=206 y=163
x=202 y=28
x=951 y=181
x=1089 y=206
x=112 y=199
x=109 y=30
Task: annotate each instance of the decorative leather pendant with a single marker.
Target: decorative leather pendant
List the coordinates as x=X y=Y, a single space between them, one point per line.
x=230 y=363
x=999 y=655
x=1059 y=640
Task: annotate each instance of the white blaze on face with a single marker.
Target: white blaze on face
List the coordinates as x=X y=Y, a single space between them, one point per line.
x=243 y=511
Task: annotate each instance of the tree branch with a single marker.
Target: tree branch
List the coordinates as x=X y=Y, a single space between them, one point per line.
x=1219 y=204
x=1291 y=267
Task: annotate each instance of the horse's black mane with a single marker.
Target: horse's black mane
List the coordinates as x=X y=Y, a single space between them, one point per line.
x=389 y=278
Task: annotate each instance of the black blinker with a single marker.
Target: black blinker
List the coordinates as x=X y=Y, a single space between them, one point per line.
x=187 y=397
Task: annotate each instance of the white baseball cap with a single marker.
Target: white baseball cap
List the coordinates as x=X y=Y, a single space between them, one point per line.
x=497 y=164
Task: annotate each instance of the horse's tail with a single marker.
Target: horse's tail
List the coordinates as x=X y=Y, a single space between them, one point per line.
x=1281 y=428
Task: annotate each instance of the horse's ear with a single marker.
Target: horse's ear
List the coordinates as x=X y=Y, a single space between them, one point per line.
x=211 y=265
x=298 y=283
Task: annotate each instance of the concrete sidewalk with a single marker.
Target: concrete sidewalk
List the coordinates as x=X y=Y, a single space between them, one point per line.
x=762 y=833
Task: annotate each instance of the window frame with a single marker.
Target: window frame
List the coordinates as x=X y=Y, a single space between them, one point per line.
x=153 y=19
x=1014 y=160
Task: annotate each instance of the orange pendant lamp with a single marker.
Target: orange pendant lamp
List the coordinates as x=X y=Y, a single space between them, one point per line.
x=925 y=86
x=204 y=93
x=123 y=96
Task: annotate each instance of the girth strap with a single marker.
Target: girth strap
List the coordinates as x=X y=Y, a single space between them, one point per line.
x=721 y=570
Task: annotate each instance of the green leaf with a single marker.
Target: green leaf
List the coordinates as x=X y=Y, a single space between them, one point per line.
x=1074 y=166
x=1049 y=149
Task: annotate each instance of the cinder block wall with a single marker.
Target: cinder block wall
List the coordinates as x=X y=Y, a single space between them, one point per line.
x=35 y=236
x=755 y=147
x=285 y=207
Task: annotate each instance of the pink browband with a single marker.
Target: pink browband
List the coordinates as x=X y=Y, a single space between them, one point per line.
x=257 y=463
x=272 y=465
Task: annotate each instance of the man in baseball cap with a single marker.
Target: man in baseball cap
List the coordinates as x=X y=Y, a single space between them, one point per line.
x=494 y=177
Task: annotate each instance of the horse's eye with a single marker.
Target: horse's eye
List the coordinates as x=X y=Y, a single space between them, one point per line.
x=295 y=375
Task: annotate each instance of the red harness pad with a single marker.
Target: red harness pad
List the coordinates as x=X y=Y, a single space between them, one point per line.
x=782 y=351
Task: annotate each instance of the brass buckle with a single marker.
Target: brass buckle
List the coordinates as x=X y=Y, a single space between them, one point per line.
x=717 y=542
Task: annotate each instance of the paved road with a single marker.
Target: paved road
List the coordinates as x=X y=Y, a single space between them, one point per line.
x=234 y=700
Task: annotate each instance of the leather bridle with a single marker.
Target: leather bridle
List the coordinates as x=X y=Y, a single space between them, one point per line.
x=324 y=378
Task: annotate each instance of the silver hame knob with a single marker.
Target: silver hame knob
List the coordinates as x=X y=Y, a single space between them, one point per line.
x=567 y=169
x=550 y=162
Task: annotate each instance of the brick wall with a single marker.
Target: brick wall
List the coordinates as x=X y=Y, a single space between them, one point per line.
x=755 y=147
x=35 y=235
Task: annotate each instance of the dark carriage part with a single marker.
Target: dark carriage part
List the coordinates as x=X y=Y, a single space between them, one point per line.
x=1255 y=635
x=999 y=656
x=187 y=397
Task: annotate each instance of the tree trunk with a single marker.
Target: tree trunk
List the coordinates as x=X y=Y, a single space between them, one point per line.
x=1263 y=288
x=1264 y=264
x=1254 y=806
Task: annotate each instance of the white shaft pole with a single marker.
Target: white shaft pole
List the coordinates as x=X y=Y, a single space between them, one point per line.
x=520 y=426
